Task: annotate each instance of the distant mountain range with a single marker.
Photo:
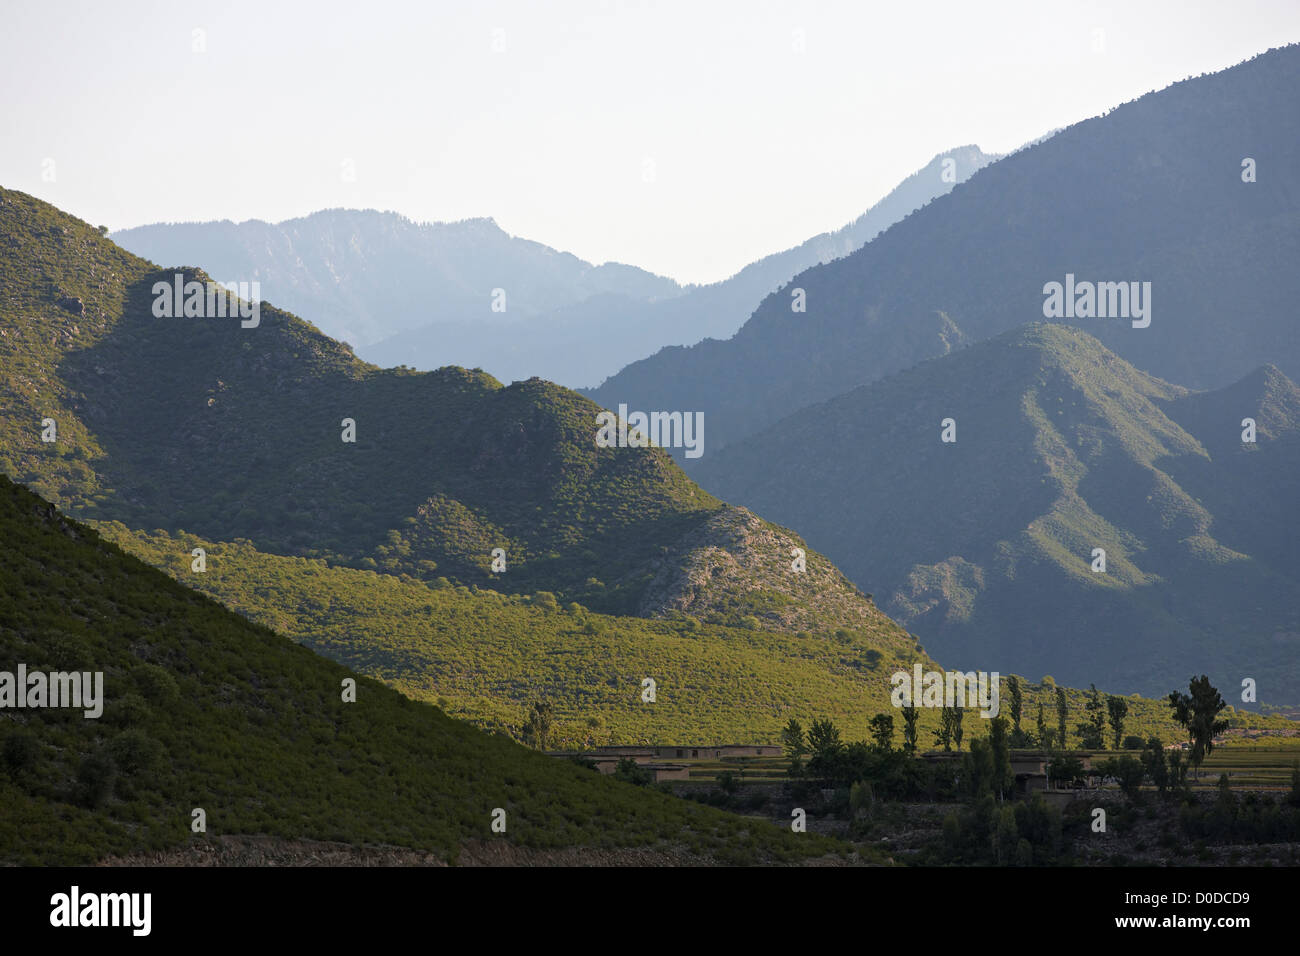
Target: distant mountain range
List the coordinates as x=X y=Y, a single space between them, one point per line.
x=1152 y=192
x=422 y=295
x=984 y=545
x=364 y=275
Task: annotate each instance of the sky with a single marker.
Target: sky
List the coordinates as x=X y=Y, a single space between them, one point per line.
x=685 y=138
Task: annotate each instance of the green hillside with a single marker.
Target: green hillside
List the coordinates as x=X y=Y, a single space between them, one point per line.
x=488 y=657
x=984 y=546
x=205 y=709
x=202 y=425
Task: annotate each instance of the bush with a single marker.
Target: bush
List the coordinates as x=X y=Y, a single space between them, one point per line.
x=546 y=600
x=157 y=686
x=134 y=751
x=629 y=771
x=19 y=752
x=95 y=780
x=128 y=711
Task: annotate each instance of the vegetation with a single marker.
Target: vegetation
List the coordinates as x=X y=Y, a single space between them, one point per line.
x=1197 y=712
x=206 y=709
x=446 y=465
x=489 y=657
x=992 y=537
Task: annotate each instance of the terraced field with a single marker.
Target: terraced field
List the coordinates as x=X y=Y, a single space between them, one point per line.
x=1263 y=764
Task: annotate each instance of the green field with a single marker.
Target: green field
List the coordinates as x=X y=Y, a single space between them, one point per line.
x=1265 y=763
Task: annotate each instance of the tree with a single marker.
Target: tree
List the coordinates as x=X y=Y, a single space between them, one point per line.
x=958 y=713
x=1015 y=697
x=1177 y=772
x=1198 y=713
x=910 y=715
x=1153 y=761
x=792 y=740
x=1003 y=778
x=1044 y=733
x=537 y=730
x=825 y=747
x=1062 y=717
x=1005 y=837
x=629 y=771
x=1116 y=712
x=979 y=775
x=1092 y=732
x=882 y=732
x=1066 y=769
x=1127 y=771
x=860 y=798
x=944 y=734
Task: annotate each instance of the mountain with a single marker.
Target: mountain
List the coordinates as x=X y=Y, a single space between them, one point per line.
x=984 y=546
x=227 y=432
x=203 y=709
x=366 y=275
x=1152 y=191
x=421 y=294
x=177 y=434
x=582 y=343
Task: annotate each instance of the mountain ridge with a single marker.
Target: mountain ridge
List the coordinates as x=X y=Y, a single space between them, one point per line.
x=1155 y=194
x=427 y=302
x=1061 y=447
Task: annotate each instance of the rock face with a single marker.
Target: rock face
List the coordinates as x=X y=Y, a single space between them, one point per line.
x=737 y=568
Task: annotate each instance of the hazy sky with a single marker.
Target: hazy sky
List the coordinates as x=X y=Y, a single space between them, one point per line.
x=687 y=138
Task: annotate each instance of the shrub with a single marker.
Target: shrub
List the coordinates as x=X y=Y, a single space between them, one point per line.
x=157 y=686
x=95 y=780
x=134 y=751
x=19 y=752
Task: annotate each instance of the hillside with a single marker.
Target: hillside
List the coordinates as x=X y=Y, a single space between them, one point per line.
x=983 y=547
x=1152 y=191
x=205 y=709
x=419 y=294
x=729 y=675
x=488 y=658
x=228 y=432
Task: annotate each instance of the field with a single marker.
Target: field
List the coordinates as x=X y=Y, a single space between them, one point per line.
x=1263 y=764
